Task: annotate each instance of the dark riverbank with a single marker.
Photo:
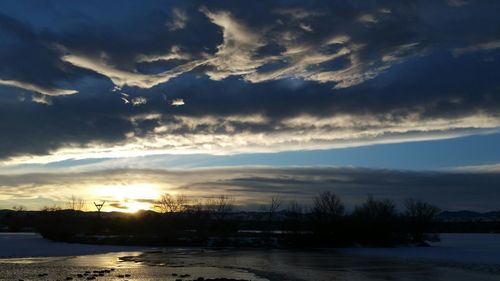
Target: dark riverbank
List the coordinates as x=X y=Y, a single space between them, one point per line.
x=154 y=229
x=376 y=223
x=202 y=230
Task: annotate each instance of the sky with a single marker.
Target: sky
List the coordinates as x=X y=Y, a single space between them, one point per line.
x=126 y=100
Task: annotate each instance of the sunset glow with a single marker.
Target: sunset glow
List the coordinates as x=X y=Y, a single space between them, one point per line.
x=127 y=198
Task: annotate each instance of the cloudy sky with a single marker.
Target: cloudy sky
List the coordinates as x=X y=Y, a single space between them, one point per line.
x=125 y=100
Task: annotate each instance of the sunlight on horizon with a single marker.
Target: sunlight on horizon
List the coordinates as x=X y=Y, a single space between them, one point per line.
x=127 y=198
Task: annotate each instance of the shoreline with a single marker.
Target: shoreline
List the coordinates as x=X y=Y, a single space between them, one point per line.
x=32 y=245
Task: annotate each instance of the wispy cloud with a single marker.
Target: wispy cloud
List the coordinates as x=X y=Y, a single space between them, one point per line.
x=484 y=46
x=488 y=168
x=235 y=55
x=128 y=78
x=49 y=91
x=179 y=19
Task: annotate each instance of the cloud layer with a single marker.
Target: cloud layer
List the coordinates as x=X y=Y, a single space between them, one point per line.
x=78 y=81
x=252 y=187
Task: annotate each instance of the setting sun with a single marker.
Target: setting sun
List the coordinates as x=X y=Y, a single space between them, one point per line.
x=127 y=198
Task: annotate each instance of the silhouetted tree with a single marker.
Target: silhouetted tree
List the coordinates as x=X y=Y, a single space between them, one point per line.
x=419 y=215
x=376 y=220
x=220 y=206
x=56 y=223
x=195 y=207
x=76 y=204
x=274 y=206
x=269 y=213
x=376 y=210
x=326 y=212
x=293 y=215
x=16 y=220
x=198 y=216
x=53 y=208
x=170 y=204
x=294 y=209
x=327 y=206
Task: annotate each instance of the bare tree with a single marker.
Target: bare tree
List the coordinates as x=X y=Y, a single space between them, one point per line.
x=52 y=208
x=376 y=210
x=327 y=204
x=377 y=221
x=420 y=215
x=417 y=210
x=294 y=208
x=170 y=204
x=274 y=206
x=195 y=207
x=220 y=206
x=294 y=215
x=75 y=203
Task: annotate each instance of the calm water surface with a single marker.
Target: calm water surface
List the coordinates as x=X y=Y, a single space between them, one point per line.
x=238 y=264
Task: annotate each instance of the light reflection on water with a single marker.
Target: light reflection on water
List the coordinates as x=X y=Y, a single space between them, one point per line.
x=104 y=260
x=255 y=265
x=30 y=260
x=59 y=268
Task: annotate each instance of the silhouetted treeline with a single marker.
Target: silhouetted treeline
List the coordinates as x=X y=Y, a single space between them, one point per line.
x=177 y=221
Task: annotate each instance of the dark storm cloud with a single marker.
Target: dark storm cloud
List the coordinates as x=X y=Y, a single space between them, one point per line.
x=28 y=61
x=35 y=129
x=254 y=186
x=255 y=76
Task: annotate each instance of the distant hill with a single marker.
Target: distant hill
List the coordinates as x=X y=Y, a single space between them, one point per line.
x=467 y=216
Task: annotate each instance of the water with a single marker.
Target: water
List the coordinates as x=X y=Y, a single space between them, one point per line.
x=251 y=264
x=59 y=268
x=258 y=265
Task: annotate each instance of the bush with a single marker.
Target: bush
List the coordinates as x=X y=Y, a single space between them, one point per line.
x=419 y=216
x=375 y=221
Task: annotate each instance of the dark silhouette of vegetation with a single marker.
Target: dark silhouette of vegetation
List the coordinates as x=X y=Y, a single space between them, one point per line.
x=327 y=219
x=179 y=220
x=274 y=206
x=294 y=217
x=76 y=204
x=379 y=218
x=171 y=204
x=327 y=206
x=220 y=206
x=419 y=217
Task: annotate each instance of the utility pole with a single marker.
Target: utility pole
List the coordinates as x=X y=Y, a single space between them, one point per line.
x=98 y=222
x=99 y=206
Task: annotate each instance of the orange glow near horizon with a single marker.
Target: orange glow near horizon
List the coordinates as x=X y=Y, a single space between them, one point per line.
x=127 y=198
